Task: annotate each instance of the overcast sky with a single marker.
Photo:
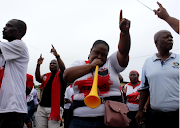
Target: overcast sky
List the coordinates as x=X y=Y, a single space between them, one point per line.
x=72 y=26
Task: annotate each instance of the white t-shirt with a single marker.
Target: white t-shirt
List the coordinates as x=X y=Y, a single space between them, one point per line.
x=13 y=87
x=108 y=83
x=69 y=93
x=131 y=95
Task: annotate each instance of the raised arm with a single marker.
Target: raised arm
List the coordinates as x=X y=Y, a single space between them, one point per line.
x=163 y=14
x=124 y=41
x=38 y=76
x=60 y=62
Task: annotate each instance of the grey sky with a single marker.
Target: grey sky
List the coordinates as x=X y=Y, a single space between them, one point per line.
x=72 y=26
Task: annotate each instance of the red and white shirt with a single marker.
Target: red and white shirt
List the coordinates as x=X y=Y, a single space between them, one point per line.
x=132 y=94
x=108 y=83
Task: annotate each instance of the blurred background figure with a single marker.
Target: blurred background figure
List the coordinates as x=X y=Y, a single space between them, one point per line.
x=68 y=99
x=30 y=101
x=36 y=102
x=132 y=97
x=50 y=109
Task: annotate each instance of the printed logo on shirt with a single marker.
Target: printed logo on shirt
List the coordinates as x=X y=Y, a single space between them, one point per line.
x=44 y=78
x=176 y=65
x=103 y=72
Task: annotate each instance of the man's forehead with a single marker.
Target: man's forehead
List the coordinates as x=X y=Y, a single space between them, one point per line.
x=132 y=72
x=161 y=33
x=53 y=61
x=12 y=22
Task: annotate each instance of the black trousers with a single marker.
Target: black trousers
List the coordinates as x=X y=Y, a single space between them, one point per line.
x=131 y=115
x=12 y=120
x=159 y=119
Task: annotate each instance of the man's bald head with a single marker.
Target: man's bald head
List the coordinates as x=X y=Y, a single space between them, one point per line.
x=159 y=34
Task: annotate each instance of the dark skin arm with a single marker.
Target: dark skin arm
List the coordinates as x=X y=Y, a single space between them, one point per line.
x=143 y=98
x=38 y=75
x=60 y=62
x=71 y=74
x=124 y=42
x=163 y=14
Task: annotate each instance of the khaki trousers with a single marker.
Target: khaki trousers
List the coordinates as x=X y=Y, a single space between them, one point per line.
x=42 y=116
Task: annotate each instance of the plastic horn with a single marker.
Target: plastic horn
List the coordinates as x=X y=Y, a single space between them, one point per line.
x=92 y=100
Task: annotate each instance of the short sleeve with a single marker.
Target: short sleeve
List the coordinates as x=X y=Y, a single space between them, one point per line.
x=144 y=80
x=114 y=62
x=12 y=50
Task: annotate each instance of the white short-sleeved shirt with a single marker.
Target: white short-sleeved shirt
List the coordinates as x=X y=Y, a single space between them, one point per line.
x=108 y=83
x=163 y=80
x=69 y=93
x=131 y=94
x=13 y=86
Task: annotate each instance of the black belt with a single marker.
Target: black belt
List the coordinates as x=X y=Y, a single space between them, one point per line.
x=157 y=112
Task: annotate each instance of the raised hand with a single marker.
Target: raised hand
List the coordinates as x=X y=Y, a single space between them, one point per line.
x=161 y=12
x=53 y=50
x=40 y=60
x=124 y=24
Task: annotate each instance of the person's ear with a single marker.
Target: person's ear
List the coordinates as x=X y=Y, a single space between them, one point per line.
x=20 y=32
x=156 y=43
x=90 y=50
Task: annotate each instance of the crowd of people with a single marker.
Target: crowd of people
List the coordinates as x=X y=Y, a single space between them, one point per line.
x=153 y=100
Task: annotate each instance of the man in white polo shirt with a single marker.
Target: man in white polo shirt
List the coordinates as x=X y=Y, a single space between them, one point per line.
x=160 y=77
x=14 y=58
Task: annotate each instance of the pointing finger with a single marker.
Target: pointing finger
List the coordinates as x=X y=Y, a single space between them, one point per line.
x=52 y=46
x=120 y=17
x=159 y=5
